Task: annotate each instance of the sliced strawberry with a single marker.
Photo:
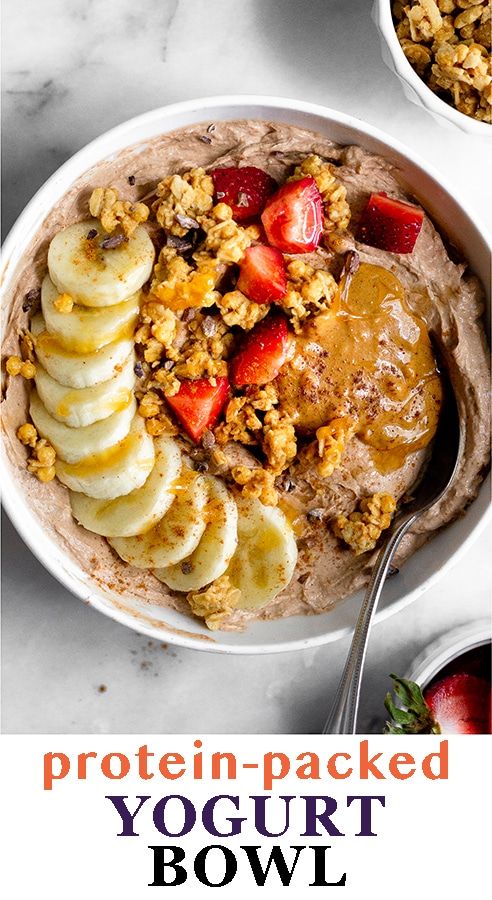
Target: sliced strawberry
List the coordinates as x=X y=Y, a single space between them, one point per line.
x=461 y=704
x=244 y=188
x=263 y=352
x=293 y=217
x=262 y=274
x=390 y=224
x=198 y=404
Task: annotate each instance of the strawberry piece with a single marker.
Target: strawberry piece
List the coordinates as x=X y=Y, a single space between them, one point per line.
x=198 y=404
x=390 y=224
x=263 y=352
x=245 y=189
x=262 y=274
x=293 y=217
x=461 y=704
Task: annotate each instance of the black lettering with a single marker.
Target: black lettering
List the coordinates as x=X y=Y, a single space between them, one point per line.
x=160 y=865
x=320 y=870
x=276 y=857
x=200 y=866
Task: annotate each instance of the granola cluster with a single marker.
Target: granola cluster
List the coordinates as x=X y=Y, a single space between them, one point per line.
x=309 y=292
x=215 y=603
x=331 y=440
x=113 y=213
x=362 y=529
x=448 y=43
x=41 y=461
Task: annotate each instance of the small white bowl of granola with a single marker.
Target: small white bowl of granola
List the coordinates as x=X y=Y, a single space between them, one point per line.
x=436 y=49
x=291 y=264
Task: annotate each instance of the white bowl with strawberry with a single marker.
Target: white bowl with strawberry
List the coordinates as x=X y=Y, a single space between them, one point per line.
x=448 y=688
x=292 y=222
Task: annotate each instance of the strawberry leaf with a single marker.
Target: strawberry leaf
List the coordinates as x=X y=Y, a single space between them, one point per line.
x=410 y=714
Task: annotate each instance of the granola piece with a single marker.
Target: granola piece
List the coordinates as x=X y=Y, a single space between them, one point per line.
x=418 y=55
x=331 y=442
x=334 y=194
x=279 y=440
x=41 y=463
x=309 y=292
x=27 y=435
x=105 y=205
x=468 y=16
x=225 y=240
x=205 y=349
x=362 y=529
x=446 y=6
x=256 y=483
x=63 y=303
x=150 y=405
x=178 y=285
x=242 y=423
x=167 y=382
x=16 y=366
x=215 y=603
x=183 y=200
x=161 y=424
x=237 y=309
x=425 y=20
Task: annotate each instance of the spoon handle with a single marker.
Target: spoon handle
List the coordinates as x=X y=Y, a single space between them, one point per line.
x=343 y=715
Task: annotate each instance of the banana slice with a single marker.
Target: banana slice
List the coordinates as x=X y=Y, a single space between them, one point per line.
x=265 y=559
x=87 y=330
x=115 y=472
x=176 y=535
x=73 y=444
x=216 y=548
x=77 y=407
x=97 y=277
x=140 y=510
x=74 y=369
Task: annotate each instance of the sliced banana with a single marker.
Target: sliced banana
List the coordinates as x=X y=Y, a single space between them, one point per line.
x=216 y=548
x=265 y=559
x=73 y=444
x=115 y=472
x=86 y=330
x=97 y=277
x=176 y=535
x=77 y=407
x=74 y=369
x=141 y=509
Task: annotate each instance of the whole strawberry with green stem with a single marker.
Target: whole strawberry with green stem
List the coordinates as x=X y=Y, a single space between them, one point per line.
x=456 y=704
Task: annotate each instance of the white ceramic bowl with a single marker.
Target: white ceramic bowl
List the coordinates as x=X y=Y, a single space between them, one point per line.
x=420 y=572
x=414 y=87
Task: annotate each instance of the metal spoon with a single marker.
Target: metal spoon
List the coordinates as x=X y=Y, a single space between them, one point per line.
x=436 y=480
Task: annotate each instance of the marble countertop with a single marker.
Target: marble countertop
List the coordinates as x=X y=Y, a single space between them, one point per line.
x=77 y=71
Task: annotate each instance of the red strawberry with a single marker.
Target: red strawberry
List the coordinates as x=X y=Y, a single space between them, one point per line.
x=262 y=274
x=293 y=217
x=390 y=224
x=263 y=352
x=245 y=189
x=461 y=704
x=198 y=404
x=457 y=704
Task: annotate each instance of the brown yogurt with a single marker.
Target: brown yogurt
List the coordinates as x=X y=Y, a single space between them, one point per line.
x=419 y=291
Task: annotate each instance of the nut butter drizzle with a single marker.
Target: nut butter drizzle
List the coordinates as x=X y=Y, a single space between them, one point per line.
x=369 y=359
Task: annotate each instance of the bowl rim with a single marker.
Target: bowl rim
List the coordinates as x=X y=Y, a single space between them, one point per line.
x=448 y=647
x=10 y=489
x=430 y=101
